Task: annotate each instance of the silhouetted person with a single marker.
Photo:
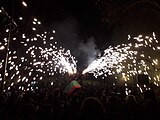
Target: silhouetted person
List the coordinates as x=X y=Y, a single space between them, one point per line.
x=91 y=109
x=115 y=109
x=132 y=108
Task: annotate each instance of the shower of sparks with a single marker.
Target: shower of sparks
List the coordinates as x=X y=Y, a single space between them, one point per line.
x=139 y=56
x=48 y=56
x=38 y=57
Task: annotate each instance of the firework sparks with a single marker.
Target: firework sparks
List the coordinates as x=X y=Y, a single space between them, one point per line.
x=128 y=59
x=38 y=56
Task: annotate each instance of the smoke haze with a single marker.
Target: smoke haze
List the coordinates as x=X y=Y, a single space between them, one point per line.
x=84 y=49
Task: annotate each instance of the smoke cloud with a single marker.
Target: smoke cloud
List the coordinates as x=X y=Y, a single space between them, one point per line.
x=82 y=48
x=88 y=50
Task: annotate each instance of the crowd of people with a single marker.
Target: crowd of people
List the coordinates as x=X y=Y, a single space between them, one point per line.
x=85 y=103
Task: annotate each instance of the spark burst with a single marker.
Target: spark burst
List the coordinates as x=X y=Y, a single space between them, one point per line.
x=38 y=57
x=139 y=56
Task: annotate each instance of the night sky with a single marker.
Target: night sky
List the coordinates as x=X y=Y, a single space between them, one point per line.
x=89 y=26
